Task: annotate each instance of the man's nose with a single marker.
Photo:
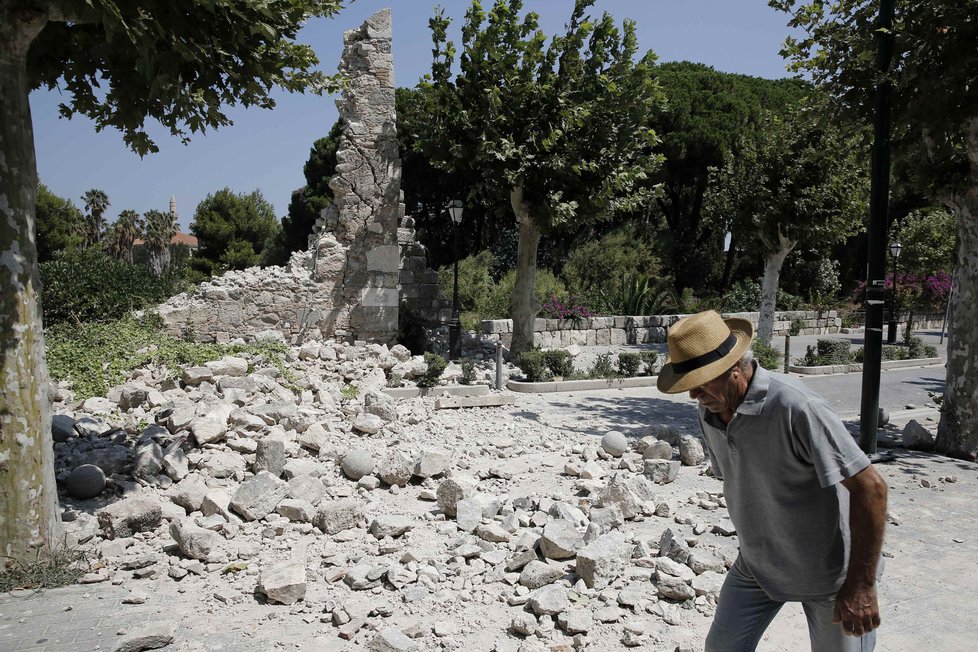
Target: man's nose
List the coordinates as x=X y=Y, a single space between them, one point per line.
x=695 y=392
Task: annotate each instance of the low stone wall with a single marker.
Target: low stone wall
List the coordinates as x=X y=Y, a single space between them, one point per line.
x=621 y=330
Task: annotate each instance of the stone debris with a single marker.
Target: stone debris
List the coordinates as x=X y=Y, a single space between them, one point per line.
x=258 y=496
x=603 y=560
x=691 y=451
x=614 y=443
x=130 y=516
x=391 y=639
x=151 y=636
x=917 y=436
x=285 y=582
x=388 y=523
x=86 y=481
x=661 y=471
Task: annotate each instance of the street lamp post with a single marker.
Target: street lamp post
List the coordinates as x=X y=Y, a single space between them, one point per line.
x=455 y=325
x=891 y=333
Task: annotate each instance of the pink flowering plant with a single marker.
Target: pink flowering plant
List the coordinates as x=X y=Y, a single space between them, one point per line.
x=915 y=291
x=556 y=308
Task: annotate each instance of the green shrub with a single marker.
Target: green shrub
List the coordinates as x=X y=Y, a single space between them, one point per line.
x=436 y=367
x=559 y=362
x=766 y=355
x=349 y=392
x=96 y=356
x=629 y=363
x=602 y=367
x=796 y=325
x=745 y=296
x=834 y=351
x=930 y=351
x=88 y=285
x=810 y=359
x=649 y=358
x=496 y=304
x=532 y=364
x=468 y=372
x=597 y=266
x=474 y=280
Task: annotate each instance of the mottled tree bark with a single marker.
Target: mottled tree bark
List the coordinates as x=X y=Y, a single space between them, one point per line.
x=957 y=433
x=29 y=516
x=524 y=305
x=773 y=263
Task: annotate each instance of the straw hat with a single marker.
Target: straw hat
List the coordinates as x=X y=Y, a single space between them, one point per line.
x=701 y=347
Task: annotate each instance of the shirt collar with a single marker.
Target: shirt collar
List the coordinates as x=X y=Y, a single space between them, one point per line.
x=756 y=392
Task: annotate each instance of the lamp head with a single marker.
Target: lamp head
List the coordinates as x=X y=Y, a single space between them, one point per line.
x=455 y=210
x=895 y=249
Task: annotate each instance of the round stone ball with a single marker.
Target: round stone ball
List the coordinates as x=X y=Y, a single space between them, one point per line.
x=614 y=443
x=86 y=481
x=883 y=416
x=357 y=463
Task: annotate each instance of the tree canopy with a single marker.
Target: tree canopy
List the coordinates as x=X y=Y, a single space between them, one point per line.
x=58 y=222
x=795 y=180
x=232 y=230
x=933 y=74
x=706 y=114
x=559 y=131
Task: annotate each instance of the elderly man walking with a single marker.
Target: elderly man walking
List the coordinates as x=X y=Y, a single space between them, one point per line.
x=808 y=506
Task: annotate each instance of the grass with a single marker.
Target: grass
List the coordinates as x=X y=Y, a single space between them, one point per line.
x=96 y=356
x=60 y=568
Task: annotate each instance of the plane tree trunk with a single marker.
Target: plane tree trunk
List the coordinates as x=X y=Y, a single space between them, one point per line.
x=30 y=521
x=773 y=262
x=524 y=304
x=957 y=432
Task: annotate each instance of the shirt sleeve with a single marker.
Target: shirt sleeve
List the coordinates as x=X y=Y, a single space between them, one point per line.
x=828 y=446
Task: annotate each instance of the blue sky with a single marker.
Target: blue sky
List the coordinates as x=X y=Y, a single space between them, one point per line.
x=265 y=150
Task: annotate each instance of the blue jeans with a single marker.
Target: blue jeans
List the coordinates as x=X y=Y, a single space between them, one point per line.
x=744 y=611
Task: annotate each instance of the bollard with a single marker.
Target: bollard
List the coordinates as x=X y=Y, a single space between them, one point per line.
x=499 y=365
x=787 y=349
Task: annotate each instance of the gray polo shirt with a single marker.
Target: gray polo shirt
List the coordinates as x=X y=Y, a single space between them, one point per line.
x=781 y=459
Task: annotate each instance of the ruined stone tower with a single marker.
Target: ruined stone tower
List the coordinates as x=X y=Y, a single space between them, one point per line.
x=354 y=245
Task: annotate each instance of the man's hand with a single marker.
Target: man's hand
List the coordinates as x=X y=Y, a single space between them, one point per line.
x=857 y=609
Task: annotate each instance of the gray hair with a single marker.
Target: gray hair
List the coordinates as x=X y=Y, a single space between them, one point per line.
x=746 y=360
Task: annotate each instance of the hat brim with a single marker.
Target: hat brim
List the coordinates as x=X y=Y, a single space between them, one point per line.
x=670 y=382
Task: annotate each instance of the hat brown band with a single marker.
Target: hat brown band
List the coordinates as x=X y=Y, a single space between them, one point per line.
x=709 y=357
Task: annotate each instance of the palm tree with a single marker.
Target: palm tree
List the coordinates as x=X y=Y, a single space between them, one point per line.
x=124 y=232
x=96 y=203
x=160 y=229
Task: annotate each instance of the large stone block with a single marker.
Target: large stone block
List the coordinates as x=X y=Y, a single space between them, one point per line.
x=378 y=297
x=127 y=517
x=385 y=258
x=258 y=496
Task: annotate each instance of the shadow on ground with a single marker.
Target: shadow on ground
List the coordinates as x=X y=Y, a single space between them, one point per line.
x=596 y=415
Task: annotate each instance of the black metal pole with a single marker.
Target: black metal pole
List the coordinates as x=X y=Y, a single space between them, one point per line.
x=876 y=255
x=455 y=325
x=892 y=334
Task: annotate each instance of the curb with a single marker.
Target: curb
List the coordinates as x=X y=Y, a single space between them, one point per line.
x=441 y=390
x=857 y=368
x=580 y=385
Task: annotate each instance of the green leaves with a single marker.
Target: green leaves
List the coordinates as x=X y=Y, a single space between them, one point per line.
x=232 y=229
x=179 y=62
x=568 y=121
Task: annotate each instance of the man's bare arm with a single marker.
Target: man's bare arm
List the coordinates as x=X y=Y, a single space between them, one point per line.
x=856 y=605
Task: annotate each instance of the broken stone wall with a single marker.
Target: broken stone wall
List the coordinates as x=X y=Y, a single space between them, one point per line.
x=359 y=264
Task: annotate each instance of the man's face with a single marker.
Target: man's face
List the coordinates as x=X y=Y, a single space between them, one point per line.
x=722 y=394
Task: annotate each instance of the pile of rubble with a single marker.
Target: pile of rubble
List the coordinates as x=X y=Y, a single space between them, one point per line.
x=270 y=492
